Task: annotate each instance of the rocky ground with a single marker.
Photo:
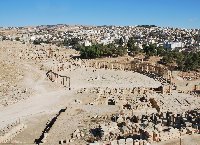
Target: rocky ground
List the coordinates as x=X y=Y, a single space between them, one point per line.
x=27 y=95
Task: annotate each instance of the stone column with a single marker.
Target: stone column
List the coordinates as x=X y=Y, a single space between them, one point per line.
x=96 y=65
x=63 y=81
x=51 y=76
x=147 y=68
x=142 y=68
x=80 y=62
x=69 y=80
x=112 y=66
x=99 y=65
x=63 y=67
x=120 y=67
x=123 y=66
x=56 y=78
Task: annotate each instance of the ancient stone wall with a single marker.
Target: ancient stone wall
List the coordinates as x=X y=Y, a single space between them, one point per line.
x=8 y=136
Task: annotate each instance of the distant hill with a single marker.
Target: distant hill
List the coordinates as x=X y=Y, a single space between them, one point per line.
x=146 y=26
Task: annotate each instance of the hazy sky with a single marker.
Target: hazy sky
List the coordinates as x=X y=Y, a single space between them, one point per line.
x=175 y=13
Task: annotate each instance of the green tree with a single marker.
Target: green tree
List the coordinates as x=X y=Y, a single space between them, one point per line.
x=150 y=50
x=131 y=46
x=160 y=51
x=121 y=41
x=98 y=50
x=71 y=42
x=180 y=60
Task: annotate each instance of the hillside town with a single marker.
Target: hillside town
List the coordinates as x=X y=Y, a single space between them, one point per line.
x=169 y=38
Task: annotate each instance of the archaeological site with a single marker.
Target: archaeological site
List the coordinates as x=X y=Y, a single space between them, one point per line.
x=49 y=95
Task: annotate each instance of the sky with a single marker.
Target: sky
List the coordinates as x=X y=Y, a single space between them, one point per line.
x=164 y=13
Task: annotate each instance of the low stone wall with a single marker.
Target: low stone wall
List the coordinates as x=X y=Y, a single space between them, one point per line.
x=7 y=137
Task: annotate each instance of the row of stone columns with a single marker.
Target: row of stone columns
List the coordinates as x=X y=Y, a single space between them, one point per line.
x=64 y=80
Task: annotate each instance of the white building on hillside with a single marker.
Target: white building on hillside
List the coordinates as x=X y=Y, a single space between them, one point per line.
x=87 y=43
x=173 y=45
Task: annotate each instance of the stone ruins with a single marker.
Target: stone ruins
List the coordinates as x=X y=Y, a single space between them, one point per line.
x=54 y=77
x=142 y=115
x=135 y=130
x=12 y=130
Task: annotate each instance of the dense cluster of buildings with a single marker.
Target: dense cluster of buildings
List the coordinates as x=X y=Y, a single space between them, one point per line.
x=171 y=38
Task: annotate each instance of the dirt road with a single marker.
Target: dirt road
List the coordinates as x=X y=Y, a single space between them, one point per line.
x=43 y=99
